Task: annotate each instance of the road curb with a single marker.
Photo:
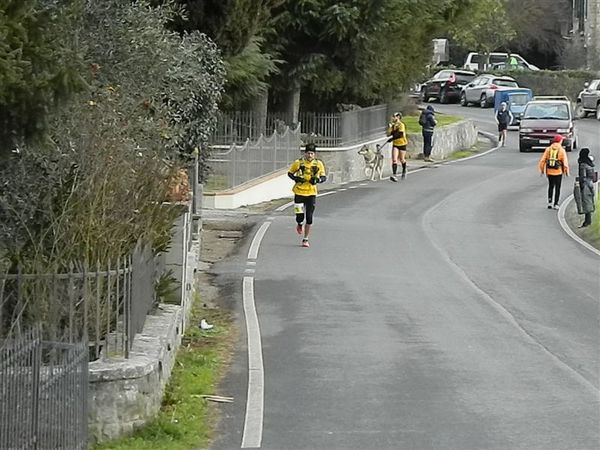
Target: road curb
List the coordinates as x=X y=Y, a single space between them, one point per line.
x=567 y=228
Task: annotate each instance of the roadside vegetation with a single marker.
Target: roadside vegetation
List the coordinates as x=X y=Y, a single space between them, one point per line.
x=460 y=154
x=102 y=103
x=590 y=234
x=413 y=127
x=187 y=419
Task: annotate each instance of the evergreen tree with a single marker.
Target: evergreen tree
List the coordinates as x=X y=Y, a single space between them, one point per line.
x=238 y=28
x=40 y=64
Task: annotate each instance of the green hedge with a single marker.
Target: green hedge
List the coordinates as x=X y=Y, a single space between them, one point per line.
x=544 y=82
x=549 y=82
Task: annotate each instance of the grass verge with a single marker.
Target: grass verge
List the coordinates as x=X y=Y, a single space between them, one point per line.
x=589 y=234
x=412 y=122
x=186 y=421
x=460 y=154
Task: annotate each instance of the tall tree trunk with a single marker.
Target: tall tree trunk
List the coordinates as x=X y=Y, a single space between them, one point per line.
x=293 y=103
x=259 y=108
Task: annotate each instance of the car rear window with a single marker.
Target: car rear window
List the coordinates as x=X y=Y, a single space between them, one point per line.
x=464 y=78
x=506 y=83
x=478 y=57
x=443 y=74
x=497 y=58
x=556 y=111
x=518 y=99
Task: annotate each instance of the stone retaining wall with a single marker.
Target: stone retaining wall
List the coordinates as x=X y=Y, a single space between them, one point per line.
x=124 y=394
x=345 y=164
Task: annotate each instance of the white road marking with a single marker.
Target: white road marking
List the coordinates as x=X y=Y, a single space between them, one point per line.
x=253 y=422
x=253 y=252
x=282 y=207
x=501 y=310
x=249 y=271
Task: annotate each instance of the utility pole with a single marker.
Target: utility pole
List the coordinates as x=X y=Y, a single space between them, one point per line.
x=592 y=33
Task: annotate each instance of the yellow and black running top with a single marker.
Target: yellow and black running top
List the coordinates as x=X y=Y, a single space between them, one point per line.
x=307 y=174
x=398 y=132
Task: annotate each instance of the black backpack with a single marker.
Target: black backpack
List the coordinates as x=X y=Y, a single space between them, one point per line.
x=422 y=119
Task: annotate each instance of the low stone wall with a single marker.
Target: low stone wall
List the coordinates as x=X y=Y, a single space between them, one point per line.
x=124 y=394
x=345 y=164
x=446 y=140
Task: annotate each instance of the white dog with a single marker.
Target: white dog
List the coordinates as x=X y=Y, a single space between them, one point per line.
x=373 y=161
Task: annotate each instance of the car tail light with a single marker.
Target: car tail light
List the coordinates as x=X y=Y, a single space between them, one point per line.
x=493 y=86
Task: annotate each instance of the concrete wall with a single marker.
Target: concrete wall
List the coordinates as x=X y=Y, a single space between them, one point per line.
x=124 y=394
x=343 y=165
x=268 y=187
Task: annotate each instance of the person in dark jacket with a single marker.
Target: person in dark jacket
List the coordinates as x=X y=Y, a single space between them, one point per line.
x=503 y=118
x=586 y=184
x=428 y=123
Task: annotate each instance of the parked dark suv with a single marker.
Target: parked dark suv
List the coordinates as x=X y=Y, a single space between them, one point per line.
x=588 y=100
x=542 y=119
x=446 y=85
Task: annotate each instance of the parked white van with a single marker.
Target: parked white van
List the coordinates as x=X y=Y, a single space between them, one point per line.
x=474 y=58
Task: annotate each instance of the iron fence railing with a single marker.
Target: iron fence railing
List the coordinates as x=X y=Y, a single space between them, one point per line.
x=105 y=306
x=324 y=129
x=241 y=163
x=363 y=124
x=43 y=393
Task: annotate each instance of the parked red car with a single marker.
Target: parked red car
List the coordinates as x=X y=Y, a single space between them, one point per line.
x=544 y=118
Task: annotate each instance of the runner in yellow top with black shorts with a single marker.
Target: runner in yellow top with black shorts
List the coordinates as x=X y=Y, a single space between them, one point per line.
x=307 y=172
x=397 y=132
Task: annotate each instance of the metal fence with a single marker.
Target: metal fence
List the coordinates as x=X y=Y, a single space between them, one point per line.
x=324 y=129
x=241 y=163
x=105 y=306
x=43 y=393
x=363 y=124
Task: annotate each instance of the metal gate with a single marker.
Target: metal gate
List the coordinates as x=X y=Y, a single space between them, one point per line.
x=43 y=393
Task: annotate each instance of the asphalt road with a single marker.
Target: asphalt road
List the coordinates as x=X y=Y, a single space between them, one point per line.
x=448 y=311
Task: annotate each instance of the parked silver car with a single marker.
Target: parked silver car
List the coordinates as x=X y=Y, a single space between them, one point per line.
x=483 y=89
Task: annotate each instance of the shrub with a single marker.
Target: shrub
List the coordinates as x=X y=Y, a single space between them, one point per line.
x=98 y=183
x=548 y=82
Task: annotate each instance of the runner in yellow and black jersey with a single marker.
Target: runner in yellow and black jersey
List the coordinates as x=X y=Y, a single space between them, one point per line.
x=307 y=172
x=397 y=132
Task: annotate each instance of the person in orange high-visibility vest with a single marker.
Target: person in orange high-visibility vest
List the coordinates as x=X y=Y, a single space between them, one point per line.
x=554 y=164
